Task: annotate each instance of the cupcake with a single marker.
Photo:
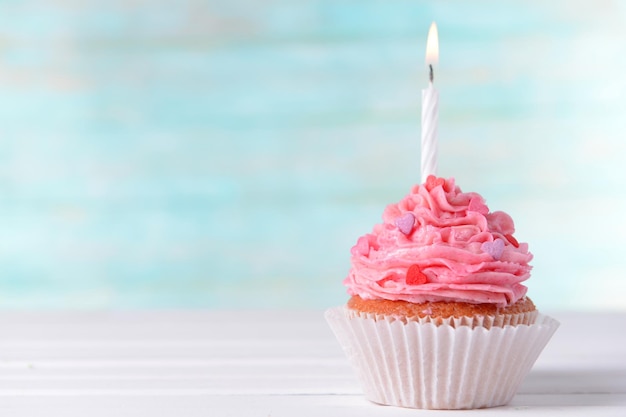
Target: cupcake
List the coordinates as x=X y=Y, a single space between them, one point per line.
x=438 y=317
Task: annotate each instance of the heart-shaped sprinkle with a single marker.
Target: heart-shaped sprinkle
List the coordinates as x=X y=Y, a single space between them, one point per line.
x=494 y=248
x=415 y=276
x=405 y=223
x=432 y=182
x=513 y=241
x=362 y=247
x=476 y=204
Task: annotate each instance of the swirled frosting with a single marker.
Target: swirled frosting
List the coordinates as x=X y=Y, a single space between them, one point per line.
x=440 y=244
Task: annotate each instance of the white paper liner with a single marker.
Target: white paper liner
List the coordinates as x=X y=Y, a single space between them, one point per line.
x=424 y=365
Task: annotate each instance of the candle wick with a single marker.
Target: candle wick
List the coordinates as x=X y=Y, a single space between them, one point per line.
x=431 y=75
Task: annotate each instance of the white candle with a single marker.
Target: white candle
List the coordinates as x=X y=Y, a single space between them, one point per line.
x=430 y=109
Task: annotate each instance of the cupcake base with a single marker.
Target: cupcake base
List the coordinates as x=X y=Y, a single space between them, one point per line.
x=420 y=364
x=452 y=313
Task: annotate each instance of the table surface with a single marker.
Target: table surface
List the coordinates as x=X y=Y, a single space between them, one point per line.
x=259 y=363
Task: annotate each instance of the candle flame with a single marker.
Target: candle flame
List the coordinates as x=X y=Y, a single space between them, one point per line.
x=432 y=45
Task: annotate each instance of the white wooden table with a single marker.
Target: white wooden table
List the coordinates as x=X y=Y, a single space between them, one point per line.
x=200 y=363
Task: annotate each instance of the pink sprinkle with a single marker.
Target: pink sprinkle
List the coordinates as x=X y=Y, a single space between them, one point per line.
x=494 y=248
x=433 y=182
x=415 y=276
x=405 y=223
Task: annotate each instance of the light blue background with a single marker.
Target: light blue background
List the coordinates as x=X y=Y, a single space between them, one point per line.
x=159 y=154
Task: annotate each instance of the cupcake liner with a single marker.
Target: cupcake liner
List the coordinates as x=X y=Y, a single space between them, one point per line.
x=438 y=366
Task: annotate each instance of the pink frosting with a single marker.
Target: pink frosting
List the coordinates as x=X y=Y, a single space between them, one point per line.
x=455 y=248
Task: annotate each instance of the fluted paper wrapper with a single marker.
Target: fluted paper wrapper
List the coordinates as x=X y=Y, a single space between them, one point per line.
x=425 y=365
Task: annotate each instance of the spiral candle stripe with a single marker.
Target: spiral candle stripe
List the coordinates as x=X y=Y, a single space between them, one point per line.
x=430 y=116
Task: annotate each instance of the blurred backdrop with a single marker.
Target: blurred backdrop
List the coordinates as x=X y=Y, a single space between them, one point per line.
x=228 y=153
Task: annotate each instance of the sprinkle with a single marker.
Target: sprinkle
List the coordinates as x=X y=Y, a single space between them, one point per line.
x=405 y=223
x=476 y=204
x=513 y=241
x=415 y=276
x=494 y=248
x=432 y=182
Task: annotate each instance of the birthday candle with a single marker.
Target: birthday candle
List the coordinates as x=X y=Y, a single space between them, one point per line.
x=430 y=108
